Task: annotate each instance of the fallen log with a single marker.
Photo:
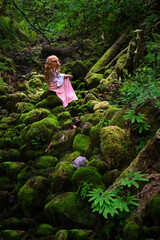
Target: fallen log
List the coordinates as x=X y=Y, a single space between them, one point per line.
x=109 y=55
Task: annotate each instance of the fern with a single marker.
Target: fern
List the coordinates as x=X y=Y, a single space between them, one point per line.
x=110 y=203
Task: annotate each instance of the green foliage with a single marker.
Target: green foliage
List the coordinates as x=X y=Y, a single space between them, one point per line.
x=84 y=189
x=139 y=120
x=115 y=201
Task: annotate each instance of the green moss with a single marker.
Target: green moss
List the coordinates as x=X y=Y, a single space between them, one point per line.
x=132 y=231
x=61 y=179
x=91 y=103
x=11 y=169
x=53 y=100
x=35 y=81
x=24 y=107
x=45 y=230
x=118 y=119
x=46 y=162
x=34 y=116
x=82 y=143
x=9 y=155
x=99 y=165
x=67 y=124
x=110 y=176
x=57 y=110
x=63 y=117
x=41 y=132
x=11 y=234
x=114 y=146
x=101 y=105
x=62 y=234
x=32 y=195
x=92 y=80
x=67 y=209
x=93 y=118
x=80 y=234
x=89 y=175
x=71 y=156
x=153 y=208
x=42 y=104
x=89 y=97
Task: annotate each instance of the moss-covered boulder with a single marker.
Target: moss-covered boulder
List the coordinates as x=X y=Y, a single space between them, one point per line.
x=36 y=80
x=80 y=234
x=89 y=175
x=89 y=97
x=63 y=117
x=9 y=155
x=46 y=162
x=114 y=146
x=12 y=234
x=79 y=69
x=34 y=116
x=98 y=164
x=82 y=143
x=67 y=209
x=60 y=180
x=53 y=100
x=132 y=231
x=32 y=195
x=23 y=107
x=110 y=176
x=153 y=210
x=41 y=131
x=118 y=118
x=69 y=157
x=92 y=80
x=44 y=230
x=62 y=142
x=101 y=106
x=11 y=169
x=62 y=234
x=93 y=118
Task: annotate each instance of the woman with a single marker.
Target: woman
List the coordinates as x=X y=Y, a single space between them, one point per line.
x=57 y=82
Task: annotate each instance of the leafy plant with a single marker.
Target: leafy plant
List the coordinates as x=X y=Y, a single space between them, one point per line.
x=84 y=189
x=138 y=119
x=110 y=203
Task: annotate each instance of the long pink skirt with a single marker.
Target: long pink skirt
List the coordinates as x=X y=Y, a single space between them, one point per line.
x=65 y=92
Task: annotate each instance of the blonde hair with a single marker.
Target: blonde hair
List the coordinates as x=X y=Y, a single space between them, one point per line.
x=52 y=65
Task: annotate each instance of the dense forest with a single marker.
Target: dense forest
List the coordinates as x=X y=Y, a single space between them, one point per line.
x=90 y=170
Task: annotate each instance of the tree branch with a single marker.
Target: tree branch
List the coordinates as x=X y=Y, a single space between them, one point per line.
x=36 y=29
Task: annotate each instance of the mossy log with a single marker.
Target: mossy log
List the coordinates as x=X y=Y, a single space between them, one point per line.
x=109 y=55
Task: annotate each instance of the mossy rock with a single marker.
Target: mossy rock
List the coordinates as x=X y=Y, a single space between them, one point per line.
x=91 y=103
x=17 y=142
x=101 y=105
x=57 y=110
x=46 y=162
x=11 y=169
x=24 y=107
x=61 y=179
x=34 y=116
x=114 y=146
x=148 y=156
x=86 y=128
x=132 y=231
x=18 y=223
x=62 y=142
x=63 y=117
x=89 y=97
x=67 y=125
x=14 y=98
x=67 y=209
x=80 y=234
x=62 y=234
x=89 y=175
x=9 y=155
x=82 y=143
x=79 y=69
x=99 y=165
x=118 y=119
x=6 y=184
x=5 y=142
x=41 y=132
x=44 y=230
x=153 y=210
x=109 y=177
x=71 y=156
x=35 y=81
x=12 y=234
x=92 y=80
x=32 y=195
x=53 y=101
x=93 y=118
x=42 y=104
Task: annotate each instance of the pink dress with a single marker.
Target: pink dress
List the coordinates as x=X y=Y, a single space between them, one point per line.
x=63 y=88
